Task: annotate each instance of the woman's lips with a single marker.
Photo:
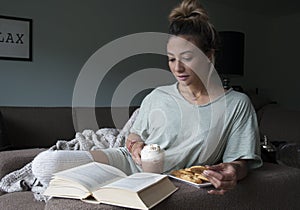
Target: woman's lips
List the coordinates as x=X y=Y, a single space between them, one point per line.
x=183 y=77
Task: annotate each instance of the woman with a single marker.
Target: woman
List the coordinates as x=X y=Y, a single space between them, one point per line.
x=195 y=120
x=236 y=142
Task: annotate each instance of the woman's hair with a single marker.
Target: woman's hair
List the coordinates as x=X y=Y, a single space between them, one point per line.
x=190 y=18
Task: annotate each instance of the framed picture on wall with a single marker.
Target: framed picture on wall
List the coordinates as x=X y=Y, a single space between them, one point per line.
x=15 y=38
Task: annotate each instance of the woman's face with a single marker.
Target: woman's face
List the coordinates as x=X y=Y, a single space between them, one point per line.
x=185 y=60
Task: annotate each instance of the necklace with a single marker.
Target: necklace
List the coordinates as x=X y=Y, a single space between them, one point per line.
x=193 y=97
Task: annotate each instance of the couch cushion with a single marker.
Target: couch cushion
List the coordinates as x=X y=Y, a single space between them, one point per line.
x=280 y=124
x=16 y=159
x=20 y=200
x=31 y=127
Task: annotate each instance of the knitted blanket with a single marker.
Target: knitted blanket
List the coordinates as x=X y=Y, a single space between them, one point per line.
x=24 y=180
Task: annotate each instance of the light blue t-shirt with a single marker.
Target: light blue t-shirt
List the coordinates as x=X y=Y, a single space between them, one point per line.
x=223 y=130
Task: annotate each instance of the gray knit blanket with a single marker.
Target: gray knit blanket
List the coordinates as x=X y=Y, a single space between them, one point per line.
x=24 y=180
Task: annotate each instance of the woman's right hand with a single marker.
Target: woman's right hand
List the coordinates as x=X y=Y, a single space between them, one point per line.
x=135 y=145
x=136 y=151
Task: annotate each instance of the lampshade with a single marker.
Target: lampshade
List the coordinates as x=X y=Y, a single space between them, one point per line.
x=230 y=57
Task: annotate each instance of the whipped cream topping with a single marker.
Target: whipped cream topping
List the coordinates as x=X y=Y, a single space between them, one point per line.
x=151 y=151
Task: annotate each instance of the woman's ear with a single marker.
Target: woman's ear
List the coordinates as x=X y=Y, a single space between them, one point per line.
x=211 y=56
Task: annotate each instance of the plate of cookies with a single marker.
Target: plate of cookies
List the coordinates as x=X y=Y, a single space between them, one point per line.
x=192 y=175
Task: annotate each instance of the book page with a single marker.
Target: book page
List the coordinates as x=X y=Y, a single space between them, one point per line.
x=136 y=182
x=92 y=175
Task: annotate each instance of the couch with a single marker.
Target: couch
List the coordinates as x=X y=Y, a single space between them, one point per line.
x=27 y=131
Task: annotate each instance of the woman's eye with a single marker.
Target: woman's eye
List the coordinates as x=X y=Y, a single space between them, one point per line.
x=171 y=59
x=187 y=59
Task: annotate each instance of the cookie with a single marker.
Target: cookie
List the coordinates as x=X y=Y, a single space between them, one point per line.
x=185 y=171
x=198 y=169
x=192 y=174
x=201 y=176
x=176 y=173
x=191 y=178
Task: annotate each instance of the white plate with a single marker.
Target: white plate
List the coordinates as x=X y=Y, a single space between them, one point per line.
x=205 y=184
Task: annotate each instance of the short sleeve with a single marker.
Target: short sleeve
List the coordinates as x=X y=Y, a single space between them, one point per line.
x=141 y=126
x=243 y=141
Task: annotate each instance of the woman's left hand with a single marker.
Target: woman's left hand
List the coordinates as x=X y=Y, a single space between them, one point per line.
x=224 y=176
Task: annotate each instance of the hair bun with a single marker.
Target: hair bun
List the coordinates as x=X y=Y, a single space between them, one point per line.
x=188 y=10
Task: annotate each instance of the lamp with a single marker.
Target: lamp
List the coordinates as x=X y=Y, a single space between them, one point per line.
x=230 y=56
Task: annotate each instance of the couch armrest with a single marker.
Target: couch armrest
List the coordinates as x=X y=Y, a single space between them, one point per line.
x=16 y=159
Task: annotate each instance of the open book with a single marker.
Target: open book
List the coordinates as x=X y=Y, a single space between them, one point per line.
x=100 y=183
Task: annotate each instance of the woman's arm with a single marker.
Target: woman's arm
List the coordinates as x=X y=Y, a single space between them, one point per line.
x=224 y=176
x=135 y=144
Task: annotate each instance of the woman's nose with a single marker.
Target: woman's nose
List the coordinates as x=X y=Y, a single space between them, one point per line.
x=179 y=66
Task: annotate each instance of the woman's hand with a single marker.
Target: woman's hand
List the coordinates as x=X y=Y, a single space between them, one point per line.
x=136 y=152
x=135 y=145
x=224 y=176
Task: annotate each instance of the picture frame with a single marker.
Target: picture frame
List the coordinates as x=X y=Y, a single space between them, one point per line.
x=15 y=38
